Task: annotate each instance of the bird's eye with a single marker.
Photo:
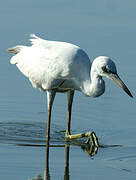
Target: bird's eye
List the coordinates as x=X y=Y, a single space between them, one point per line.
x=104 y=68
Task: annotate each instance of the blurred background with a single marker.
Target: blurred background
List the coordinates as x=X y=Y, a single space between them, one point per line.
x=105 y=27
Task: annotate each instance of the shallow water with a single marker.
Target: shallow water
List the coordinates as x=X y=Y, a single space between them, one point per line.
x=104 y=27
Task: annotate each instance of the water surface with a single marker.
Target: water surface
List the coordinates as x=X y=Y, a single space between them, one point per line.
x=104 y=27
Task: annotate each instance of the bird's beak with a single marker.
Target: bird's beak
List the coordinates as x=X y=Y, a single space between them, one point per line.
x=115 y=78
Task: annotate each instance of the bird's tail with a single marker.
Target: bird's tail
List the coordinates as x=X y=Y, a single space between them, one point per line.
x=15 y=49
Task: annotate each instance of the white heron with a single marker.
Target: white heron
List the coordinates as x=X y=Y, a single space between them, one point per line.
x=54 y=66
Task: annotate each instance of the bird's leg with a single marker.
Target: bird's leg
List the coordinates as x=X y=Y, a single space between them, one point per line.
x=70 y=95
x=90 y=135
x=50 y=98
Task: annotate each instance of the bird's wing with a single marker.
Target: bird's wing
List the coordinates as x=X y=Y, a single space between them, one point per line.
x=47 y=61
x=45 y=44
x=35 y=40
x=40 y=65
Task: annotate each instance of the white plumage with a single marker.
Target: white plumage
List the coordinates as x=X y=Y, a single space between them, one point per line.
x=48 y=63
x=55 y=66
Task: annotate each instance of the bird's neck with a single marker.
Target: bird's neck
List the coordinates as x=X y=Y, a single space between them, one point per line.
x=95 y=86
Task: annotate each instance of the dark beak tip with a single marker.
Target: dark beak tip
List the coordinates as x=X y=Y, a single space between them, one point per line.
x=120 y=83
x=131 y=96
x=129 y=93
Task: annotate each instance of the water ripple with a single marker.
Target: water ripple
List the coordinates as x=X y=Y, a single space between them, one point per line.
x=28 y=133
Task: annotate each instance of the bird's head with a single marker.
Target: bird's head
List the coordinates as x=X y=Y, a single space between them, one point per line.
x=105 y=67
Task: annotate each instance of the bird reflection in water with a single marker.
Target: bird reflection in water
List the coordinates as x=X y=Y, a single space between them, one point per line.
x=46 y=170
x=90 y=149
x=38 y=177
